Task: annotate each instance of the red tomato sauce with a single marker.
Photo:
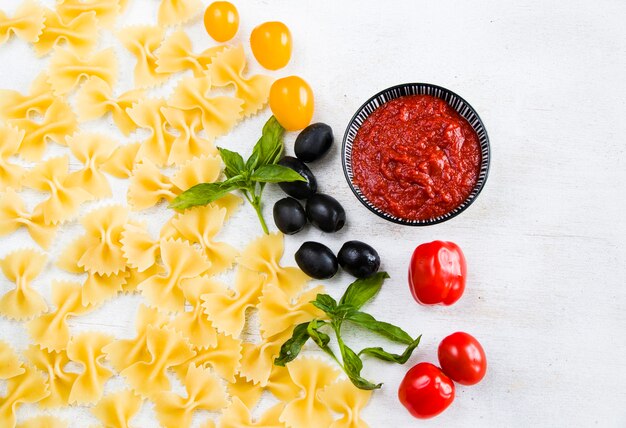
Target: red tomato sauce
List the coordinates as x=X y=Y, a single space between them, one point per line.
x=416 y=158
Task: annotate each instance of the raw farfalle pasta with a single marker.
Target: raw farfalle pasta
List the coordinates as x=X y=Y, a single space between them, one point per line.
x=11 y=365
x=176 y=54
x=99 y=288
x=22 y=267
x=117 y=409
x=238 y=415
x=227 y=69
x=264 y=254
x=200 y=225
x=95 y=99
x=344 y=398
x=182 y=261
x=224 y=357
x=51 y=330
x=80 y=34
x=173 y=12
x=281 y=385
x=226 y=308
x=122 y=161
x=134 y=278
x=99 y=250
x=58 y=379
x=92 y=150
x=204 y=392
x=247 y=392
x=14 y=105
x=10 y=173
x=26 y=23
x=142 y=42
x=58 y=122
x=148 y=115
x=308 y=411
x=45 y=421
x=67 y=69
x=219 y=114
x=28 y=387
x=188 y=144
x=148 y=186
x=139 y=248
x=205 y=169
x=86 y=350
x=106 y=11
x=257 y=359
x=165 y=348
x=277 y=311
x=13 y=215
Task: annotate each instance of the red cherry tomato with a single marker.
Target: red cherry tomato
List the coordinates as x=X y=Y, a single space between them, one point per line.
x=425 y=391
x=437 y=273
x=462 y=358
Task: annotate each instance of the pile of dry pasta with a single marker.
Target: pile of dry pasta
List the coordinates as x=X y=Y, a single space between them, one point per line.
x=189 y=326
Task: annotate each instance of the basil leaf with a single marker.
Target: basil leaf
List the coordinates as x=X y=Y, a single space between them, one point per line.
x=233 y=162
x=320 y=338
x=325 y=303
x=292 y=347
x=353 y=365
x=381 y=354
x=204 y=193
x=387 y=330
x=269 y=148
x=275 y=174
x=363 y=290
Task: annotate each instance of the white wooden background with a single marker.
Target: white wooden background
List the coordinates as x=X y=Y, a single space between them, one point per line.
x=546 y=293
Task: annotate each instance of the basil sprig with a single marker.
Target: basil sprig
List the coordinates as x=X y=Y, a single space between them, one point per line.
x=250 y=177
x=348 y=308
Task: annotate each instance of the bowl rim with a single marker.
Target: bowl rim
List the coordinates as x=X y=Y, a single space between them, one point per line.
x=485 y=159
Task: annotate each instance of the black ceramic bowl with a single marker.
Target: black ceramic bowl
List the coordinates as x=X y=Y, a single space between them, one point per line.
x=457 y=103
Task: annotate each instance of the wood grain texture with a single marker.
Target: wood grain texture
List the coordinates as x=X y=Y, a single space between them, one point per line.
x=544 y=241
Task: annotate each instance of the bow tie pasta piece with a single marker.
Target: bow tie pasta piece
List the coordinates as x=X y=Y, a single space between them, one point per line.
x=86 y=350
x=80 y=34
x=142 y=42
x=93 y=150
x=238 y=415
x=58 y=122
x=193 y=324
x=51 y=330
x=67 y=69
x=204 y=391
x=45 y=421
x=248 y=392
x=172 y=12
x=257 y=359
x=139 y=248
x=308 y=411
x=227 y=68
x=187 y=144
x=200 y=225
x=148 y=115
x=14 y=105
x=28 y=387
x=344 y=398
x=281 y=385
x=176 y=54
x=134 y=278
x=124 y=353
x=22 y=267
x=99 y=288
x=59 y=381
x=226 y=308
x=277 y=313
x=117 y=409
x=122 y=161
x=219 y=114
x=166 y=348
x=13 y=215
x=224 y=357
x=95 y=99
x=106 y=11
x=11 y=365
x=182 y=261
x=263 y=255
x=148 y=186
x=205 y=169
x=10 y=173
x=27 y=22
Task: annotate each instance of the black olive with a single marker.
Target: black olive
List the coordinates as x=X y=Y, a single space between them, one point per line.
x=316 y=260
x=359 y=259
x=298 y=189
x=289 y=216
x=325 y=213
x=313 y=142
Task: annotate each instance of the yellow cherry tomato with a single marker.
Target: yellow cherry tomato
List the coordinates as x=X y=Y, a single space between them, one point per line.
x=291 y=101
x=221 y=21
x=271 y=45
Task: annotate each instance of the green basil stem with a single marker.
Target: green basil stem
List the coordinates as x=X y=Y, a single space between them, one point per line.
x=255 y=201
